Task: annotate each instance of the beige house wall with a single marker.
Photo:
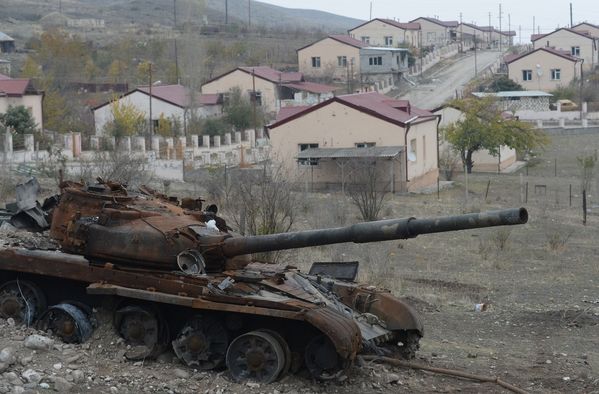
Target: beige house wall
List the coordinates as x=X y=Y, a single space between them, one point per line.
x=33 y=103
x=377 y=30
x=338 y=126
x=244 y=81
x=432 y=33
x=483 y=160
x=592 y=30
x=547 y=61
x=328 y=50
x=482 y=38
x=565 y=40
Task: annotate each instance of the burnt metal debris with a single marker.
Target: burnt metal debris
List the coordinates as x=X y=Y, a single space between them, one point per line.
x=177 y=276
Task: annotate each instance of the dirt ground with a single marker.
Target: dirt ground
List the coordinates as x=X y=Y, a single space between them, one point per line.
x=539 y=280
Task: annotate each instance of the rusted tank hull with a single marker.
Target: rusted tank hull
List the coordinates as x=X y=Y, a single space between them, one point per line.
x=189 y=292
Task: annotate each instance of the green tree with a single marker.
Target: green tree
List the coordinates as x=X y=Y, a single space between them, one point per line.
x=55 y=111
x=482 y=126
x=19 y=119
x=239 y=111
x=127 y=119
x=215 y=126
x=165 y=128
x=502 y=84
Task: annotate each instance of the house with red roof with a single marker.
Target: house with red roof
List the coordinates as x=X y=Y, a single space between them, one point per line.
x=579 y=44
x=436 y=32
x=587 y=28
x=485 y=36
x=345 y=59
x=543 y=68
x=272 y=89
x=167 y=101
x=319 y=144
x=387 y=32
x=15 y=92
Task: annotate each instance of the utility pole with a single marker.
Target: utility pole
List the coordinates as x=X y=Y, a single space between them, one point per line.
x=490 y=30
x=533 y=25
x=420 y=49
x=571 y=22
x=249 y=14
x=226 y=12
x=370 y=11
x=461 y=34
x=475 y=65
x=60 y=6
x=520 y=34
x=254 y=104
x=509 y=28
x=500 y=31
x=175 y=33
x=150 y=75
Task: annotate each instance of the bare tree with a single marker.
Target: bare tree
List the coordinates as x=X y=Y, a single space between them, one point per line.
x=367 y=191
x=257 y=201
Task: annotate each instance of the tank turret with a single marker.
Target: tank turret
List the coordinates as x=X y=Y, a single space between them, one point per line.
x=105 y=223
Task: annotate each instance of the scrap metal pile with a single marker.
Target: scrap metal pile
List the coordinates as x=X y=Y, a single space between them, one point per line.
x=177 y=276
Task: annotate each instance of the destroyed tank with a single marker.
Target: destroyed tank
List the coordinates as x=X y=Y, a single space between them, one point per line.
x=175 y=275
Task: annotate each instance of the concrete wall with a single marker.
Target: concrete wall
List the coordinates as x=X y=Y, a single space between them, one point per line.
x=33 y=102
x=245 y=81
x=328 y=50
x=377 y=30
x=548 y=61
x=338 y=126
x=565 y=40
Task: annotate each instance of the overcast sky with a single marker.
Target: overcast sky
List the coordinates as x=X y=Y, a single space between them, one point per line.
x=548 y=14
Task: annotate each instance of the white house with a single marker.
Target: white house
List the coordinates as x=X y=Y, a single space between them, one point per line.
x=167 y=101
x=17 y=92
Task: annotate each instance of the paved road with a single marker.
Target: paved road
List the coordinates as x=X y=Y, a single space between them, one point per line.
x=441 y=83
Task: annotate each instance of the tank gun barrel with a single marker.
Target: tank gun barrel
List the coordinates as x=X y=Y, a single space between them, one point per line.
x=381 y=230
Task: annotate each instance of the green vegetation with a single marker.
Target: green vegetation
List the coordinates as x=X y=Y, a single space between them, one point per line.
x=483 y=127
x=19 y=120
x=127 y=120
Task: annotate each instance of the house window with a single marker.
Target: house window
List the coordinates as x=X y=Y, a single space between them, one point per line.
x=316 y=62
x=556 y=74
x=365 y=144
x=575 y=51
x=527 y=75
x=307 y=162
x=342 y=61
x=412 y=151
x=365 y=39
x=431 y=36
x=375 y=61
x=388 y=40
x=255 y=96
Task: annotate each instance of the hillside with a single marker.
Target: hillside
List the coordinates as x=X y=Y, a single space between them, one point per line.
x=23 y=18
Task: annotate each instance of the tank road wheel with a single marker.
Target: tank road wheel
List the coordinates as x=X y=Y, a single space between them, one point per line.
x=322 y=359
x=142 y=328
x=22 y=300
x=202 y=343
x=256 y=356
x=286 y=350
x=67 y=321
